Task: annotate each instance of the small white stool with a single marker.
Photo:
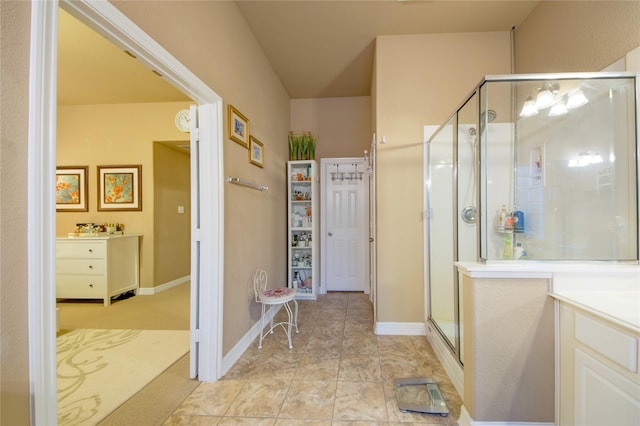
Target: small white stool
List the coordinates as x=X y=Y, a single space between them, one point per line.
x=273 y=297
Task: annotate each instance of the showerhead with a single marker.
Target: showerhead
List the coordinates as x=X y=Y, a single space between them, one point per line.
x=489 y=115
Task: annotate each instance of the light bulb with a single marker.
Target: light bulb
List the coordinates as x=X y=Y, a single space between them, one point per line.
x=529 y=108
x=576 y=99
x=558 y=109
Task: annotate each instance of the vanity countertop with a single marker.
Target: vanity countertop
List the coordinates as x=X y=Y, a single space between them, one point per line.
x=607 y=290
x=614 y=296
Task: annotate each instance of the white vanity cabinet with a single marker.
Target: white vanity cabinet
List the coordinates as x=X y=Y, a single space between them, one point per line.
x=599 y=378
x=97 y=267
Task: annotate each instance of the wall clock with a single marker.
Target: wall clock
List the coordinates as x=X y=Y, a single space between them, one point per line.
x=183 y=120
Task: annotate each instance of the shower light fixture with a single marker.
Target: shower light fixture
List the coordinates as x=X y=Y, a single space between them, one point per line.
x=576 y=99
x=529 y=108
x=546 y=95
x=585 y=158
x=558 y=109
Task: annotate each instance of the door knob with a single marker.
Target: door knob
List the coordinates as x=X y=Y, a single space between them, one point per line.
x=330 y=234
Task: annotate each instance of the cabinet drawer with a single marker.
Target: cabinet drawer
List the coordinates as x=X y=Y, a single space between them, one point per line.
x=81 y=249
x=80 y=286
x=81 y=266
x=613 y=344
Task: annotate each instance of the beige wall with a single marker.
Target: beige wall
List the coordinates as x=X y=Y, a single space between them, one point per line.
x=342 y=125
x=96 y=135
x=564 y=36
x=437 y=72
x=171 y=230
x=14 y=87
x=213 y=41
x=508 y=350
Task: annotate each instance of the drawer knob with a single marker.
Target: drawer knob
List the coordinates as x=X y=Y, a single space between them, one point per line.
x=91 y=285
x=90 y=250
x=90 y=266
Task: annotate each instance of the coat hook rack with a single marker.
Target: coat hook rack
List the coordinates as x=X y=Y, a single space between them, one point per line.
x=238 y=181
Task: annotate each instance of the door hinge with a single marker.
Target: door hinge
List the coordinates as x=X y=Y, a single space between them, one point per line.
x=195 y=336
x=196 y=234
x=196 y=134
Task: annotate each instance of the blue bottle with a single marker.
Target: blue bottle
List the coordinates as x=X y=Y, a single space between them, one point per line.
x=518 y=226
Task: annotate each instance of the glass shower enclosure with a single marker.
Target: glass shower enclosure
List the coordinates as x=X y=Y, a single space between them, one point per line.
x=539 y=167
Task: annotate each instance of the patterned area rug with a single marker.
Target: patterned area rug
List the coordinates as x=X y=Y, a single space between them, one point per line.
x=98 y=370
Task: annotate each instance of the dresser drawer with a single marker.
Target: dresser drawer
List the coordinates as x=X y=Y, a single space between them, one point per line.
x=81 y=249
x=81 y=266
x=80 y=286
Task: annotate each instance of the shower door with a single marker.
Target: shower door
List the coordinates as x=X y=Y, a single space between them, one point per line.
x=452 y=201
x=470 y=129
x=440 y=197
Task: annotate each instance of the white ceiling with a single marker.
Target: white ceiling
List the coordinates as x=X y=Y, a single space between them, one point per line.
x=317 y=48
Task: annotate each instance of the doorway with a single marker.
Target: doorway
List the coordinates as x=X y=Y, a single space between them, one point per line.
x=105 y=19
x=345 y=224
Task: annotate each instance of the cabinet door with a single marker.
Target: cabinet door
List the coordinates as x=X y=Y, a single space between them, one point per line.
x=602 y=395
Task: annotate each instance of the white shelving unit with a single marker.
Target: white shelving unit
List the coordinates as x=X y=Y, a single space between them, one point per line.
x=302 y=230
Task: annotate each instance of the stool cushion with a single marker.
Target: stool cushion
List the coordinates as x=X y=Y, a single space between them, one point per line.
x=277 y=295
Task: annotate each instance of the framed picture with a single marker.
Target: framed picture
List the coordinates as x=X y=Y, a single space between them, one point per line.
x=256 y=152
x=238 y=127
x=72 y=188
x=119 y=188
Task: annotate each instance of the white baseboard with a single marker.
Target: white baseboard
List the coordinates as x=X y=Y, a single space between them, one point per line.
x=243 y=344
x=400 y=329
x=150 y=291
x=466 y=420
x=449 y=362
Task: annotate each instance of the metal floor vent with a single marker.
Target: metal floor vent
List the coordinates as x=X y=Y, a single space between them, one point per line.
x=420 y=395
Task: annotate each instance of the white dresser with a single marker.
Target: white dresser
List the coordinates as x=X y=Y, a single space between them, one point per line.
x=98 y=267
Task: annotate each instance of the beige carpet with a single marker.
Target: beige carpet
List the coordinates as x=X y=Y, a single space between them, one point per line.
x=100 y=369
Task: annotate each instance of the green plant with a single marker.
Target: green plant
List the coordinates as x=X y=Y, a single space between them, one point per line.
x=311 y=146
x=304 y=146
x=294 y=145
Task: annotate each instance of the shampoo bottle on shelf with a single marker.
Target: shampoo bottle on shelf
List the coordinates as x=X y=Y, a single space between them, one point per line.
x=508 y=251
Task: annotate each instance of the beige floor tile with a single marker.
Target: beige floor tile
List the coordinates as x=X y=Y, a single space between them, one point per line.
x=246 y=421
x=273 y=365
x=324 y=343
x=309 y=400
x=328 y=326
x=360 y=344
x=360 y=401
x=360 y=368
x=318 y=366
x=210 y=399
x=302 y=422
x=338 y=373
x=191 y=421
x=259 y=398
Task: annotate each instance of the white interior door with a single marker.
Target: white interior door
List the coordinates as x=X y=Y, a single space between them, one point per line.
x=345 y=224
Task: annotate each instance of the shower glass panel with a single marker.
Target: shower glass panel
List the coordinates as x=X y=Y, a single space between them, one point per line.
x=564 y=168
x=441 y=214
x=531 y=167
x=467 y=200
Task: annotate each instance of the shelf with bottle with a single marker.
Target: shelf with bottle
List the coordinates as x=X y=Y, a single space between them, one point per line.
x=509 y=221
x=302 y=281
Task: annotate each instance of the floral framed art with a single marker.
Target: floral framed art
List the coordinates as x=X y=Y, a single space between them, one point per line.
x=72 y=188
x=256 y=152
x=238 y=127
x=120 y=188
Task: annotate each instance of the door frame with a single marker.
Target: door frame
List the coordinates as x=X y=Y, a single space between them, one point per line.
x=324 y=163
x=105 y=19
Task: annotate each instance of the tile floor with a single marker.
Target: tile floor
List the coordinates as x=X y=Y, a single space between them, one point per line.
x=338 y=373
